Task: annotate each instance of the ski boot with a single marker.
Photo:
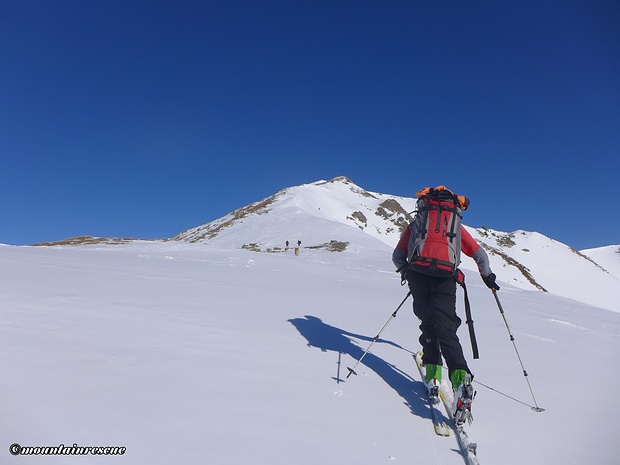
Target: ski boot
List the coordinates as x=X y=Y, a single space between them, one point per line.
x=433 y=381
x=432 y=388
x=463 y=398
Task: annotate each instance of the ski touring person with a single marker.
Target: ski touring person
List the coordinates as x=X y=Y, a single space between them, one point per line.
x=427 y=256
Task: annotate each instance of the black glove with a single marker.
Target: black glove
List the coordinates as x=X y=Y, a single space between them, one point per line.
x=489 y=280
x=403 y=278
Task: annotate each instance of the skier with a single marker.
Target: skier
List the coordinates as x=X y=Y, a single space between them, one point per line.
x=427 y=255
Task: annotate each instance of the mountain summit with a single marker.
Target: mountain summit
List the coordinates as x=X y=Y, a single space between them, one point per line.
x=316 y=213
x=340 y=216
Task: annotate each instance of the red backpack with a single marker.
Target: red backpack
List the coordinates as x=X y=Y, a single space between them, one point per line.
x=437 y=249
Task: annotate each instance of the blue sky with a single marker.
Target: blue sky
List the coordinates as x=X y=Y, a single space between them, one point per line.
x=143 y=119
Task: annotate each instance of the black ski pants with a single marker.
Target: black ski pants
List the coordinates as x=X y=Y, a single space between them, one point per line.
x=434 y=303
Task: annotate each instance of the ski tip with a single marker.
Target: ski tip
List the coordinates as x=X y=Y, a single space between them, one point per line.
x=351 y=372
x=442 y=430
x=538 y=409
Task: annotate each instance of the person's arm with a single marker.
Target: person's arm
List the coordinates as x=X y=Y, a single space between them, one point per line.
x=472 y=249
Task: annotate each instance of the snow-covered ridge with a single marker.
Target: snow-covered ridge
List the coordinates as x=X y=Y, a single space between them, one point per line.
x=530 y=260
x=285 y=215
x=608 y=257
x=340 y=216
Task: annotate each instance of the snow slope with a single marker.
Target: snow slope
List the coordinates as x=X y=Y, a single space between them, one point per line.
x=190 y=353
x=545 y=264
x=608 y=257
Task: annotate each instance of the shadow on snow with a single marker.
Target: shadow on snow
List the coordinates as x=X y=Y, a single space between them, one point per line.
x=332 y=339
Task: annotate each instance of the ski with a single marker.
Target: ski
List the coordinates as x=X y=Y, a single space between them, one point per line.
x=441 y=428
x=468 y=447
x=466 y=444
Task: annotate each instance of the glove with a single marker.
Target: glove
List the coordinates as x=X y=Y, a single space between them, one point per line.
x=489 y=280
x=403 y=277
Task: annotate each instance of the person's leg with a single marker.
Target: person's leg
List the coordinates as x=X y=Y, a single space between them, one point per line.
x=419 y=285
x=446 y=322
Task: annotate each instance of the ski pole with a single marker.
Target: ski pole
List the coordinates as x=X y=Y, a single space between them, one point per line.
x=512 y=338
x=352 y=370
